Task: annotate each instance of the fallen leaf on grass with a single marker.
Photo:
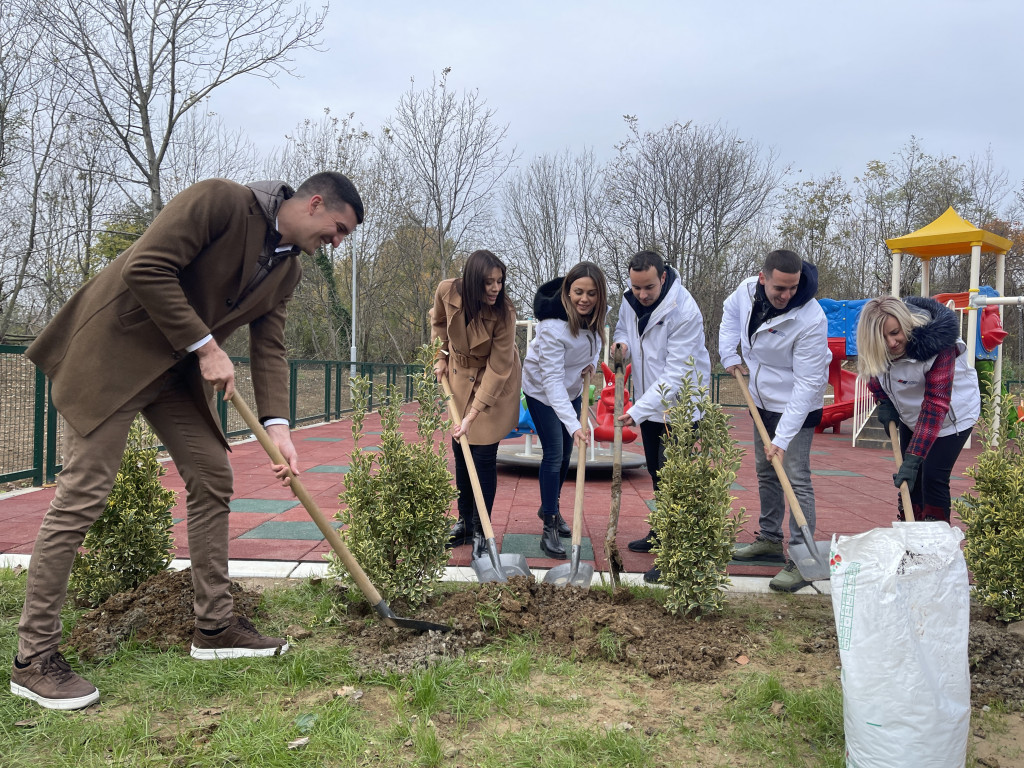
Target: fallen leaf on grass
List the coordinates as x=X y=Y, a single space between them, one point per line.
x=298 y=743
x=349 y=691
x=25 y=724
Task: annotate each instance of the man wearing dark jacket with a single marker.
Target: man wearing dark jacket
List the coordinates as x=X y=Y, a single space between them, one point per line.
x=782 y=336
x=144 y=336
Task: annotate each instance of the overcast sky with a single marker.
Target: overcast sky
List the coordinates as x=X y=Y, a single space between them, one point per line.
x=830 y=85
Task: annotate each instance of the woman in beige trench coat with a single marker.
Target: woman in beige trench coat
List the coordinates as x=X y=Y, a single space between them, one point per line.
x=476 y=322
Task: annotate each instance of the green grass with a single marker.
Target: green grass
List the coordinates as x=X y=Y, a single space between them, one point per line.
x=507 y=704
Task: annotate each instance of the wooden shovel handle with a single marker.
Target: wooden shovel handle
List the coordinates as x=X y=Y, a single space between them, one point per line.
x=351 y=564
x=897 y=453
x=787 y=488
x=474 y=478
x=581 y=462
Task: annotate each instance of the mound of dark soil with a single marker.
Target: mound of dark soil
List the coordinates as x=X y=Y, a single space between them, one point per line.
x=158 y=612
x=568 y=621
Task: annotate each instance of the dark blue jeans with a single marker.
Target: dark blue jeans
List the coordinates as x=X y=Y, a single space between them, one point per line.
x=485 y=459
x=556 y=443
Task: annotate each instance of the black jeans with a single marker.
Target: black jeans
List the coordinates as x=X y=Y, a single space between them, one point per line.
x=485 y=458
x=930 y=494
x=652 y=432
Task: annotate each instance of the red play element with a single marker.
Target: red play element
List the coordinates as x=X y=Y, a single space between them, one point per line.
x=992 y=333
x=604 y=432
x=843 y=384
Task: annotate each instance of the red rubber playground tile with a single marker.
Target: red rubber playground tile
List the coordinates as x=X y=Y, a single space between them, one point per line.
x=853 y=491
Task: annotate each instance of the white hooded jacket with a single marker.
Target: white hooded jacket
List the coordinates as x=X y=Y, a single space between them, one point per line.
x=788 y=357
x=662 y=354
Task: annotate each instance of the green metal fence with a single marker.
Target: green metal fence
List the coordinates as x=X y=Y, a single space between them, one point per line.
x=31 y=429
x=319 y=391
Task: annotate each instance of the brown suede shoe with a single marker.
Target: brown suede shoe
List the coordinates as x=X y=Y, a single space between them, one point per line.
x=49 y=681
x=239 y=639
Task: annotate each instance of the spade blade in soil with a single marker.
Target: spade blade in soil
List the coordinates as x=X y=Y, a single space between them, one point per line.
x=389 y=617
x=571 y=574
x=495 y=567
x=813 y=566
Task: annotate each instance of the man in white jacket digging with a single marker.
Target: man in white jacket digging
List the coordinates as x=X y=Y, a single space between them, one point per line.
x=782 y=334
x=662 y=329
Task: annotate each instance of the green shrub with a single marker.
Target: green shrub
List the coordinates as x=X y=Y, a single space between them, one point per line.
x=132 y=540
x=693 y=506
x=993 y=512
x=398 y=497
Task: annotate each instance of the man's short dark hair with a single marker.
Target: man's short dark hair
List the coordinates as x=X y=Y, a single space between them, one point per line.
x=644 y=260
x=335 y=188
x=788 y=262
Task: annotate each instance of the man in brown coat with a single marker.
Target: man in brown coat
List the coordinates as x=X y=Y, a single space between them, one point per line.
x=144 y=336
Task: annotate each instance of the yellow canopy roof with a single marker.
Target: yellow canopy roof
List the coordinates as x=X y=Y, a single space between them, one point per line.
x=948 y=235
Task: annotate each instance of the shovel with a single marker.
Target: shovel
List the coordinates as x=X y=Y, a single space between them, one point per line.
x=494 y=567
x=611 y=548
x=351 y=565
x=897 y=453
x=813 y=566
x=574 y=573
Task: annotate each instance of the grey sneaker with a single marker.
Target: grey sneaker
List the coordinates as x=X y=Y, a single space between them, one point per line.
x=760 y=549
x=788 y=579
x=239 y=639
x=50 y=683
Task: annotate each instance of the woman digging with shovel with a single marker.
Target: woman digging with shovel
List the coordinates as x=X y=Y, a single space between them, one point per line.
x=571 y=313
x=911 y=353
x=476 y=322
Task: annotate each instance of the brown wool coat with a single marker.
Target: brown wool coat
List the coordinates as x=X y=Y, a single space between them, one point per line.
x=483 y=365
x=177 y=283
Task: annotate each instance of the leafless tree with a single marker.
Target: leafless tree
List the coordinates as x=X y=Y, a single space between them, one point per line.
x=145 y=65
x=453 y=150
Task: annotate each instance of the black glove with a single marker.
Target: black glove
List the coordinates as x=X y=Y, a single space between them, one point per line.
x=908 y=471
x=886 y=412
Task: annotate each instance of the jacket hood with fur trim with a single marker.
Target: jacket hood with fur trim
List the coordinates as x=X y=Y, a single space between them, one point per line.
x=941 y=331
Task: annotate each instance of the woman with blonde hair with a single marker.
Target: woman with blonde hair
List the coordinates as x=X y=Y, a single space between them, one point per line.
x=476 y=322
x=571 y=313
x=911 y=353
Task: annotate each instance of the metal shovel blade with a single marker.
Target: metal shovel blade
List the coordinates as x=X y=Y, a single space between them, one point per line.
x=496 y=567
x=389 y=617
x=571 y=574
x=813 y=566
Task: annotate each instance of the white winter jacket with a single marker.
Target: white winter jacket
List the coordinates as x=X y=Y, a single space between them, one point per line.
x=553 y=368
x=662 y=355
x=788 y=358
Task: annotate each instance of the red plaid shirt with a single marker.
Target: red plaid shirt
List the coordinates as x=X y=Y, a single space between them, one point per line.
x=938 y=388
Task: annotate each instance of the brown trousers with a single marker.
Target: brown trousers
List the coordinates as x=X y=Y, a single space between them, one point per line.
x=90 y=467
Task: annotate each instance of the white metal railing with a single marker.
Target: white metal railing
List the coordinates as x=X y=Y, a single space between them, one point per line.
x=863 y=407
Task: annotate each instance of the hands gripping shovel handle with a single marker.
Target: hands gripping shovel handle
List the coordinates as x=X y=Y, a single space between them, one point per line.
x=351 y=565
x=897 y=453
x=815 y=567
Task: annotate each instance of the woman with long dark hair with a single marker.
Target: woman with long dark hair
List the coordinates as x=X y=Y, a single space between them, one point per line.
x=571 y=311
x=476 y=322
x=911 y=353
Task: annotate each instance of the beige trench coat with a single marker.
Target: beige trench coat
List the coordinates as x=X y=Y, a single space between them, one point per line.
x=483 y=365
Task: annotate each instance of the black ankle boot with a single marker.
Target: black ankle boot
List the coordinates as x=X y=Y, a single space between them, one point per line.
x=563 y=527
x=549 y=541
x=461 y=534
